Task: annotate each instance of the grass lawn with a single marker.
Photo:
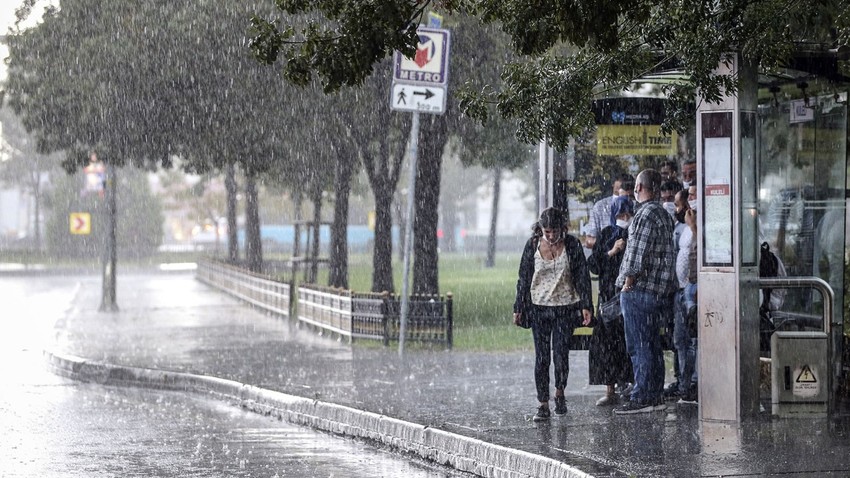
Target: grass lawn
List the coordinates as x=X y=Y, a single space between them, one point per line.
x=483 y=298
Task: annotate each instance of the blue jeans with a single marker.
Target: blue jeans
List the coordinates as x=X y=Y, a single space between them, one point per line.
x=690 y=296
x=685 y=345
x=642 y=319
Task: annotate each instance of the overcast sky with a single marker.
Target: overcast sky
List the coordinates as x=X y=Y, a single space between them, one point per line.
x=7 y=19
x=7 y=13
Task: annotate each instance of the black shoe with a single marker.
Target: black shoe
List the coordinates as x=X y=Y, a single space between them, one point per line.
x=542 y=414
x=626 y=393
x=630 y=408
x=691 y=397
x=671 y=392
x=560 y=406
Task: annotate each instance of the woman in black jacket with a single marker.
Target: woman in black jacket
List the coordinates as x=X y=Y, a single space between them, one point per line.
x=553 y=297
x=609 y=364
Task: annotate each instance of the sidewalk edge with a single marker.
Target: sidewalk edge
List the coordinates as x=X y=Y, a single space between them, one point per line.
x=457 y=451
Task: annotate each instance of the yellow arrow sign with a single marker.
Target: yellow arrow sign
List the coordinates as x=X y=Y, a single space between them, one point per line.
x=80 y=223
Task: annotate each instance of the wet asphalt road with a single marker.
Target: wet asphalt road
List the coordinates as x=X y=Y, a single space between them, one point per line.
x=52 y=426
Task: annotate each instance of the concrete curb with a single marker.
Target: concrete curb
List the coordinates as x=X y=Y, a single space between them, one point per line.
x=457 y=451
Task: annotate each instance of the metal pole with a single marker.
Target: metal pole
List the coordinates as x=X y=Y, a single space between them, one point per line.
x=109 y=301
x=408 y=236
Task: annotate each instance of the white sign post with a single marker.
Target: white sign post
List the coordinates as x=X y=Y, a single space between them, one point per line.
x=419 y=85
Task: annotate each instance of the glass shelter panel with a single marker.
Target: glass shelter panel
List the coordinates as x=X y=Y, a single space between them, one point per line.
x=717 y=189
x=802 y=157
x=749 y=190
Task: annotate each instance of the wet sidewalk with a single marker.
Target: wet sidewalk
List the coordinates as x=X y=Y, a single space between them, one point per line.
x=173 y=322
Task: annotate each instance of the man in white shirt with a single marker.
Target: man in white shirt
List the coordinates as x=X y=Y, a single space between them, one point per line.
x=686 y=345
x=600 y=214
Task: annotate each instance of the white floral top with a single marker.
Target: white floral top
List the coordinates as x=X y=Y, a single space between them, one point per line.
x=552 y=283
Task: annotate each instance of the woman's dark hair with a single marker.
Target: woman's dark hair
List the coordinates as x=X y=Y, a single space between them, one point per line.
x=552 y=218
x=536 y=230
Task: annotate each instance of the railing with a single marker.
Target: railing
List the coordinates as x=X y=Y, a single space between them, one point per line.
x=259 y=290
x=429 y=319
x=834 y=344
x=369 y=316
x=375 y=316
x=350 y=314
x=326 y=308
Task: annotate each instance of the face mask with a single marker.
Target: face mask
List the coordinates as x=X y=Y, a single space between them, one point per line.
x=693 y=204
x=686 y=184
x=623 y=224
x=680 y=216
x=670 y=207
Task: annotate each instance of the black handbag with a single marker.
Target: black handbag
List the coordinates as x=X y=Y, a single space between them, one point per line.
x=610 y=312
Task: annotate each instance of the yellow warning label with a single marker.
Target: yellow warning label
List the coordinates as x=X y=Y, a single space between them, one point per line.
x=806 y=382
x=806 y=375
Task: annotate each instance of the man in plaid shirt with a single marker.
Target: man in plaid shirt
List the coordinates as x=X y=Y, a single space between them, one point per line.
x=647 y=281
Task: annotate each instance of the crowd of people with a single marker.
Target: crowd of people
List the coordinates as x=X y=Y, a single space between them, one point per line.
x=641 y=243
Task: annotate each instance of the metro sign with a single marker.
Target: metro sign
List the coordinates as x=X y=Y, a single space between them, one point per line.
x=430 y=63
x=80 y=223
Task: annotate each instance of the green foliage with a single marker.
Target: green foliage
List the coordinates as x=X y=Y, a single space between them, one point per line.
x=323 y=46
x=548 y=92
x=143 y=82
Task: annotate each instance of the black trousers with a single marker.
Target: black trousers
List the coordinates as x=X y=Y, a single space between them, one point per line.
x=552 y=329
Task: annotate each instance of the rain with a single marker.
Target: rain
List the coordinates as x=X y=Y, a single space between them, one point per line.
x=226 y=256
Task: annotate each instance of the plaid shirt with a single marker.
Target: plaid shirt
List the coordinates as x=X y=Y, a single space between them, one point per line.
x=650 y=255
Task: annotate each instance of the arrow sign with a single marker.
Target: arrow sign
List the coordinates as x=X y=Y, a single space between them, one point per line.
x=427 y=93
x=80 y=223
x=408 y=97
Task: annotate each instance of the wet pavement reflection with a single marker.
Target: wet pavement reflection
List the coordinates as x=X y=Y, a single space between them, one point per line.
x=55 y=427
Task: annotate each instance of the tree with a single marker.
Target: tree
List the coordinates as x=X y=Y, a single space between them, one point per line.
x=338 y=274
x=377 y=137
x=25 y=166
x=547 y=92
x=205 y=101
x=232 y=237
x=494 y=147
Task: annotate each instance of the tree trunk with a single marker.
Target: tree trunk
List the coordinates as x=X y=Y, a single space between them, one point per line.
x=383 y=170
x=317 y=229
x=253 y=240
x=297 y=199
x=37 y=199
x=494 y=216
x=401 y=221
x=427 y=199
x=382 y=254
x=232 y=233
x=450 y=222
x=109 y=301
x=338 y=274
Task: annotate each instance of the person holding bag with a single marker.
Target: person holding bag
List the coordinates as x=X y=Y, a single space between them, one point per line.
x=553 y=297
x=609 y=364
